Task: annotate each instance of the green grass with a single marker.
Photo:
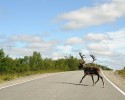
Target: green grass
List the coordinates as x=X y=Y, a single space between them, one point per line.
x=122 y=72
x=9 y=77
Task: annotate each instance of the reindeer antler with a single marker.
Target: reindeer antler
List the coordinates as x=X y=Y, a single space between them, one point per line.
x=93 y=57
x=82 y=56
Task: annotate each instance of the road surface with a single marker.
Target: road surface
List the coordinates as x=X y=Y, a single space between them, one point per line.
x=63 y=86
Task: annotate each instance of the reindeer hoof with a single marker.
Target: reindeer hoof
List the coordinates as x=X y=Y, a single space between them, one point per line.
x=104 y=86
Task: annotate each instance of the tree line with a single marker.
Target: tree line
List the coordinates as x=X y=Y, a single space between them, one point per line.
x=35 y=62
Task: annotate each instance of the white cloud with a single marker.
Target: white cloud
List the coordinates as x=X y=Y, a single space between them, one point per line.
x=108 y=47
x=62 y=51
x=26 y=38
x=91 y=16
x=66 y=49
x=96 y=37
x=23 y=45
x=112 y=40
x=110 y=51
x=74 y=40
x=98 y=47
x=117 y=39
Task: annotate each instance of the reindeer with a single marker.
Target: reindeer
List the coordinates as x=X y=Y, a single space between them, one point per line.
x=90 y=70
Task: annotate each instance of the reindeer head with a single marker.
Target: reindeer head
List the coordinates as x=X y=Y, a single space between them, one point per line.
x=83 y=63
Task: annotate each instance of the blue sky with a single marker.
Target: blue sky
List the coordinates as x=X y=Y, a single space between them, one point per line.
x=58 y=28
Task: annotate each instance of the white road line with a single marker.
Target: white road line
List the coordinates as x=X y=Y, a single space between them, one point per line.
x=28 y=80
x=114 y=85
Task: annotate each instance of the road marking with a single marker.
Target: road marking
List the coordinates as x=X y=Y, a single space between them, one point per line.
x=28 y=80
x=113 y=84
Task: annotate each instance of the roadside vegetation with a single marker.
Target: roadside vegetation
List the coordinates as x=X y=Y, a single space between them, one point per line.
x=122 y=72
x=13 y=68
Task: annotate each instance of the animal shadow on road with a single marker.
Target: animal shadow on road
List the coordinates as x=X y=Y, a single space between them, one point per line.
x=73 y=83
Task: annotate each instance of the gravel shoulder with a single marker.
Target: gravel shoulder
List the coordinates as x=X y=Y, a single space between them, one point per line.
x=114 y=77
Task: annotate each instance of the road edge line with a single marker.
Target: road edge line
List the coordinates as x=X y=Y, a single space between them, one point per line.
x=27 y=81
x=114 y=85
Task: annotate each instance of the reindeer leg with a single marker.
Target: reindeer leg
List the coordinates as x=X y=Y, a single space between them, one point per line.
x=102 y=81
x=82 y=78
x=97 y=79
x=92 y=80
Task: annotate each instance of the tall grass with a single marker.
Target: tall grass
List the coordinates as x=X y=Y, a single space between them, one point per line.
x=9 y=77
x=122 y=72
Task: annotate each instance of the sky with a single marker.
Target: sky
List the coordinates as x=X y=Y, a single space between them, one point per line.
x=59 y=28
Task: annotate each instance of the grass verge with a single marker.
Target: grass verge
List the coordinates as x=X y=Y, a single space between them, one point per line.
x=121 y=72
x=9 y=77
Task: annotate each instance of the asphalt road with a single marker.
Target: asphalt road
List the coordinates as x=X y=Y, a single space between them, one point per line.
x=64 y=86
